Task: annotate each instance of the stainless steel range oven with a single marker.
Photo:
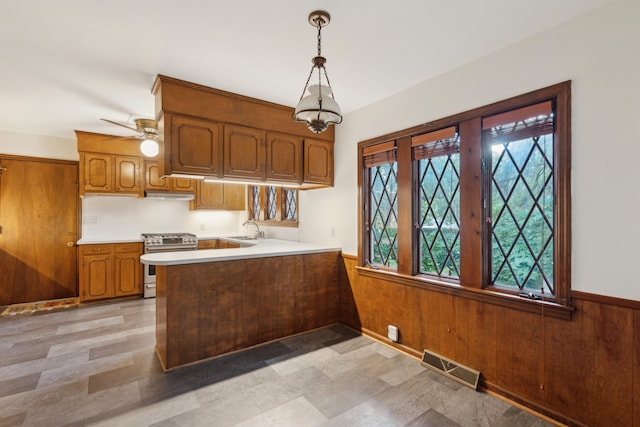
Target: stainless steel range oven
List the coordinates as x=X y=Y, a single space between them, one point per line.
x=163 y=242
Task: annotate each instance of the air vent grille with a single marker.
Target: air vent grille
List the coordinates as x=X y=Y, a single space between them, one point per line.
x=449 y=368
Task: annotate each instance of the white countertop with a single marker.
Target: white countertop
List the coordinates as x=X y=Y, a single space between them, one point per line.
x=107 y=241
x=260 y=248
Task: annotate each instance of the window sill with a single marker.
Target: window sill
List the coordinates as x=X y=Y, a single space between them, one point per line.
x=548 y=308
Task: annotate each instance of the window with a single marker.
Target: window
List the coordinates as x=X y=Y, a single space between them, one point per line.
x=272 y=205
x=480 y=200
x=521 y=199
x=382 y=205
x=438 y=226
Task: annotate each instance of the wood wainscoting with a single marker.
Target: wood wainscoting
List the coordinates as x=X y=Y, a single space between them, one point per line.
x=204 y=310
x=583 y=371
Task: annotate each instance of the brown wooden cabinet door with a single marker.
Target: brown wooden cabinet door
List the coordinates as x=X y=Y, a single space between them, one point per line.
x=183 y=184
x=244 y=152
x=152 y=178
x=127 y=175
x=193 y=147
x=97 y=277
x=318 y=161
x=216 y=195
x=284 y=157
x=97 y=172
x=208 y=244
x=38 y=216
x=128 y=274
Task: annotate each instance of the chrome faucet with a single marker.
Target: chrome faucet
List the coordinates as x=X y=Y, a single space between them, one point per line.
x=259 y=234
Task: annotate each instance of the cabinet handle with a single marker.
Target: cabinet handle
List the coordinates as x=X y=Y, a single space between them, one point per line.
x=69 y=244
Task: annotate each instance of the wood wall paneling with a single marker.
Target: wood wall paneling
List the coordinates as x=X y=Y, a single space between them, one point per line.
x=209 y=309
x=582 y=371
x=613 y=365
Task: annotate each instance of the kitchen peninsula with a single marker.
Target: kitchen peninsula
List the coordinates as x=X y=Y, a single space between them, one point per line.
x=215 y=301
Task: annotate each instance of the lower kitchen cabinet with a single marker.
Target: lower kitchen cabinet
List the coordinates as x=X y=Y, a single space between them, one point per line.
x=110 y=270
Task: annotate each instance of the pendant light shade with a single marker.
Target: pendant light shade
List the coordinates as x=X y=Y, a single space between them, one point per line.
x=149 y=147
x=318 y=109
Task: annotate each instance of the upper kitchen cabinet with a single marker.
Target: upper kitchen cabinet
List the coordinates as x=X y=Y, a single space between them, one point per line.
x=109 y=165
x=218 y=195
x=192 y=146
x=318 y=162
x=284 y=158
x=244 y=152
x=104 y=173
x=212 y=133
x=153 y=181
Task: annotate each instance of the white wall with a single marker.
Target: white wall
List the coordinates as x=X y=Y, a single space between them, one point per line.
x=22 y=144
x=120 y=217
x=600 y=53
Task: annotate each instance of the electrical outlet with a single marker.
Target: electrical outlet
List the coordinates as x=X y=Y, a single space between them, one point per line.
x=91 y=220
x=392 y=333
x=332 y=232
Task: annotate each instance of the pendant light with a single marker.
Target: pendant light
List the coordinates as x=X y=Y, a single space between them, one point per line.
x=319 y=108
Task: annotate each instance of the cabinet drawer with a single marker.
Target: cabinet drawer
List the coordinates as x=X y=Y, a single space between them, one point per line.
x=208 y=244
x=96 y=249
x=128 y=247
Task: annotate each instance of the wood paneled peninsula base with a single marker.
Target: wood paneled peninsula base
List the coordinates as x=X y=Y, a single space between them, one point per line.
x=206 y=309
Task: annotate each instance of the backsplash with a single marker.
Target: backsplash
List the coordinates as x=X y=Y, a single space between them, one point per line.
x=115 y=217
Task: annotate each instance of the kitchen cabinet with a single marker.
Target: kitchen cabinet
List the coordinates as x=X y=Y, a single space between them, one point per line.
x=244 y=152
x=108 y=173
x=318 y=162
x=218 y=195
x=284 y=157
x=212 y=133
x=208 y=244
x=192 y=146
x=154 y=181
x=110 y=270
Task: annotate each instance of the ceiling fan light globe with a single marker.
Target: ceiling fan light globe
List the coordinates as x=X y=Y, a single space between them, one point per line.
x=149 y=148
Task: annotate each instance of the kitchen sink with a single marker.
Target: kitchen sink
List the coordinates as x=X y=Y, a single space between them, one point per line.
x=242 y=238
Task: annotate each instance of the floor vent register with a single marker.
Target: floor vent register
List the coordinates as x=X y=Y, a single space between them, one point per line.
x=451 y=369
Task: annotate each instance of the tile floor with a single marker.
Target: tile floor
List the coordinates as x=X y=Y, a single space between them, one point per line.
x=95 y=366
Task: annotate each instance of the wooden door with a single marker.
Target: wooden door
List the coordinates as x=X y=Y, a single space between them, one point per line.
x=38 y=234
x=244 y=152
x=284 y=157
x=127 y=175
x=193 y=147
x=318 y=161
x=97 y=172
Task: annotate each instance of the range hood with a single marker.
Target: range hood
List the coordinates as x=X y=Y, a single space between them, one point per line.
x=169 y=195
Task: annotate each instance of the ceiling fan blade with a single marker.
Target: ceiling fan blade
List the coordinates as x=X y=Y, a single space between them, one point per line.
x=120 y=124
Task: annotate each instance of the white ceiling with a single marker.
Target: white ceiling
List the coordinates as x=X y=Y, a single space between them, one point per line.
x=65 y=64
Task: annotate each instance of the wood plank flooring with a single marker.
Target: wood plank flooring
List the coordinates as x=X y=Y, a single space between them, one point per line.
x=95 y=366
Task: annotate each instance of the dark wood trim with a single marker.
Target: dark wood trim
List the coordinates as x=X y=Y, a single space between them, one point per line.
x=527 y=404
x=515 y=302
x=471 y=211
x=532 y=97
x=405 y=206
x=604 y=299
x=38 y=159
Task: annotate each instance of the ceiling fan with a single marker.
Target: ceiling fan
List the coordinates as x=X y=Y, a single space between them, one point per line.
x=147 y=129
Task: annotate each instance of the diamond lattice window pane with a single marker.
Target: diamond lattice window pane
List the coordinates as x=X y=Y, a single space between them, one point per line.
x=522 y=213
x=439 y=227
x=291 y=204
x=272 y=202
x=383 y=218
x=255 y=197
